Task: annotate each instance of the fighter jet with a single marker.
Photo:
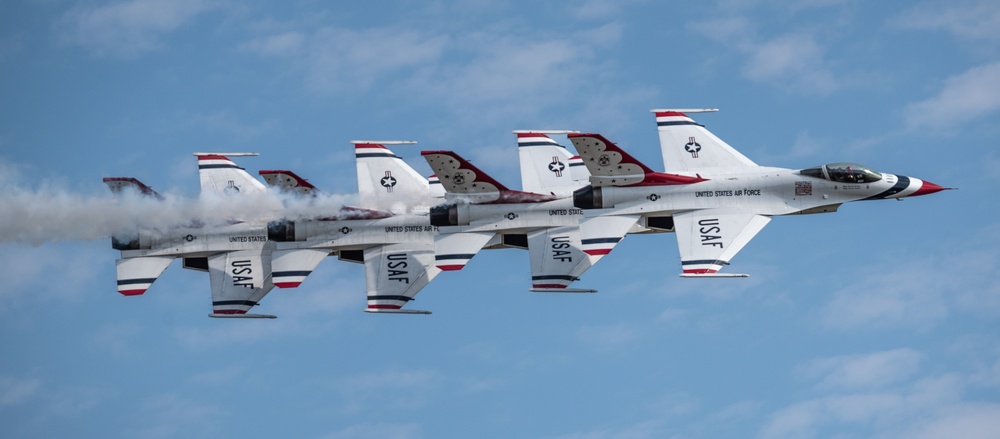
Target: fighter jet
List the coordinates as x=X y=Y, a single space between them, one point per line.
x=483 y=213
x=395 y=244
x=236 y=254
x=714 y=198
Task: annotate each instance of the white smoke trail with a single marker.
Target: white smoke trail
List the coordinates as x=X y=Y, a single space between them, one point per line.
x=51 y=213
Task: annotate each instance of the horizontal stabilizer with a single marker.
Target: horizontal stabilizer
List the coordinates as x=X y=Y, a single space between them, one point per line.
x=561 y=290
x=136 y=275
x=290 y=267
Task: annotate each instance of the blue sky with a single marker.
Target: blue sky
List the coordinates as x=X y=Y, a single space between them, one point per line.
x=879 y=321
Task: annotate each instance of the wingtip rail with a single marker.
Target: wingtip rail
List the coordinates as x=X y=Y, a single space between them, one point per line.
x=562 y=290
x=242 y=316
x=684 y=110
x=384 y=142
x=395 y=311
x=226 y=154
x=716 y=275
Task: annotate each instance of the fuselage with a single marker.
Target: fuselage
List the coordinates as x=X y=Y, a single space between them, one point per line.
x=762 y=190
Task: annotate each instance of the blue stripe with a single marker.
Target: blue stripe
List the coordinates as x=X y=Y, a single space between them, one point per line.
x=705 y=261
x=362 y=155
x=600 y=240
x=455 y=256
x=219 y=167
x=554 y=277
x=520 y=144
x=234 y=302
x=148 y=280
x=572 y=164
x=290 y=273
x=676 y=123
x=400 y=298
x=900 y=185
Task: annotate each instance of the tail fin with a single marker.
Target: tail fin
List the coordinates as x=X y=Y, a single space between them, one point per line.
x=288 y=182
x=688 y=146
x=463 y=180
x=387 y=182
x=119 y=185
x=219 y=175
x=609 y=165
x=546 y=166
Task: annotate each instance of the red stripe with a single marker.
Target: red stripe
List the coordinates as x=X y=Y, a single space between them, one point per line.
x=701 y=271
x=212 y=157
x=598 y=251
x=450 y=267
x=230 y=311
x=520 y=135
x=369 y=145
x=671 y=114
x=287 y=284
x=131 y=292
x=383 y=306
x=548 y=286
x=927 y=188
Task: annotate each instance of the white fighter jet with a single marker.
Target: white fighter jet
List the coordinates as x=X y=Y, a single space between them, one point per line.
x=236 y=255
x=483 y=213
x=396 y=246
x=713 y=197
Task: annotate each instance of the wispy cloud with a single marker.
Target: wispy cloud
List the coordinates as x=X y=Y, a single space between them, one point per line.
x=863 y=371
x=14 y=391
x=968 y=19
x=963 y=98
x=377 y=431
x=477 y=72
x=126 y=28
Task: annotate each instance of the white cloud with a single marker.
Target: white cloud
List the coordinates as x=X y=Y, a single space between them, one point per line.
x=864 y=371
x=171 y=415
x=791 y=60
x=606 y=337
x=376 y=431
x=966 y=97
x=17 y=391
x=966 y=421
x=494 y=70
x=126 y=28
x=970 y=19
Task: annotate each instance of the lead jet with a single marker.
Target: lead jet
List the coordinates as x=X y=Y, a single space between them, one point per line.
x=396 y=246
x=236 y=254
x=483 y=213
x=713 y=197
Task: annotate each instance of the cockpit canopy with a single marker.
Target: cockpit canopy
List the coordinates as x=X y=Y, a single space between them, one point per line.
x=843 y=173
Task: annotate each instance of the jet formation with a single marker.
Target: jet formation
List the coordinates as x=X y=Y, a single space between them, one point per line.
x=571 y=211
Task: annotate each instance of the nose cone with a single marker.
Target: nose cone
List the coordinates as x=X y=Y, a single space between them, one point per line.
x=927 y=187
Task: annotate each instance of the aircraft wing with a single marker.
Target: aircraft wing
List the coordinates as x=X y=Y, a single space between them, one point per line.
x=136 y=275
x=600 y=234
x=290 y=267
x=397 y=272
x=709 y=238
x=688 y=147
x=557 y=258
x=454 y=250
x=240 y=279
